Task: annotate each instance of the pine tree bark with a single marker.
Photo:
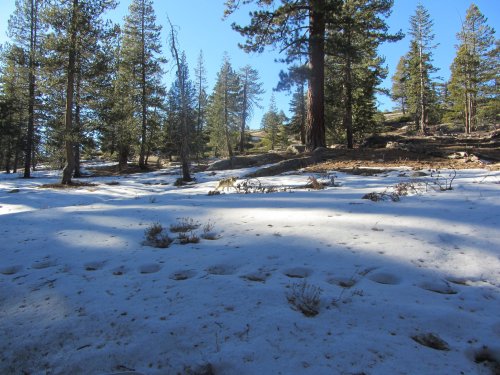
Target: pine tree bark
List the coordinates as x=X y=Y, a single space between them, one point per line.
x=347 y=120
x=142 y=153
x=315 y=125
x=243 y=119
x=70 y=88
x=32 y=82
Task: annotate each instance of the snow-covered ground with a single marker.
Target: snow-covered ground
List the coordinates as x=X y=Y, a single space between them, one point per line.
x=81 y=294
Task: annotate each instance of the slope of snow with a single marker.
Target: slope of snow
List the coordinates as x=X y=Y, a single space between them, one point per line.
x=81 y=294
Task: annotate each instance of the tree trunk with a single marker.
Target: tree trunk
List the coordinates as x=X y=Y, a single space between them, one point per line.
x=315 y=127
x=423 y=105
x=142 y=154
x=31 y=100
x=184 y=151
x=302 y=114
x=243 y=118
x=78 y=122
x=123 y=157
x=347 y=120
x=70 y=88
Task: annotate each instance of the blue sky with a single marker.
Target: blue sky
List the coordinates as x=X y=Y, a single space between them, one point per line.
x=200 y=27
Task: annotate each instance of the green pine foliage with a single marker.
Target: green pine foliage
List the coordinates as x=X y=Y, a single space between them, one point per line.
x=224 y=111
x=474 y=72
x=141 y=63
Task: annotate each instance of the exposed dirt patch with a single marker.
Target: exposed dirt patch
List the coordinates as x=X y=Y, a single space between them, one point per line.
x=353 y=160
x=114 y=170
x=73 y=185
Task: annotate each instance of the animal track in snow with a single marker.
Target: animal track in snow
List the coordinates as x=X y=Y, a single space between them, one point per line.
x=149 y=268
x=94 y=266
x=182 y=275
x=45 y=263
x=222 y=269
x=298 y=272
x=120 y=270
x=11 y=270
x=385 y=278
x=437 y=286
x=344 y=282
x=258 y=276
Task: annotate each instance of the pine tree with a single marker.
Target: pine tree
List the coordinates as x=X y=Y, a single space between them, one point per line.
x=13 y=102
x=224 y=110
x=283 y=23
x=358 y=30
x=184 y=90
x=296 y=77
x=251 y=90
x=473 y=69
x=399 y=91
x=25 y=28
x=201 y=105
x=420 y=67
x=273 y=124
x=141 y=50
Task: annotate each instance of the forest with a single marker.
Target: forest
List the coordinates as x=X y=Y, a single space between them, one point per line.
x=75 y=85
x=148 y=228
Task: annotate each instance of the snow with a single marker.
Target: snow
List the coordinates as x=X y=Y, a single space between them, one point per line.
x=81 y=294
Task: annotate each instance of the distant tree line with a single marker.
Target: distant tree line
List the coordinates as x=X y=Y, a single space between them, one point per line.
x=74 y=84
x=471 y=96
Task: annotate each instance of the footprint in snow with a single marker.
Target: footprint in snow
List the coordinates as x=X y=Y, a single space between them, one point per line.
x=437 y=286
x=257 y=276
x=11 y=270
x=221 y=269
x=385 y=278
x=119 y=271
x=94 y=266
x=42 y=264
x=182 y=275
x=298 y=272
x=149 y=268
x=344 y=282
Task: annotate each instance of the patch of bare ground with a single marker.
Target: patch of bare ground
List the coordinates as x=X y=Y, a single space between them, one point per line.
x=115 y=170
x=73 y=185
x=351 y=160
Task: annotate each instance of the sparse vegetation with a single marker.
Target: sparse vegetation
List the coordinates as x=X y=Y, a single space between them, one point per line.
x=184 y=224
x=305 y=298
x=156 y=237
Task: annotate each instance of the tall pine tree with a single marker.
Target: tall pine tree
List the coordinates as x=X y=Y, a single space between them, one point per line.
x=141 y=58
x=473 y=71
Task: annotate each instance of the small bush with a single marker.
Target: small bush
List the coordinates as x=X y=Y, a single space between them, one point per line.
x=185 y=238
x=305 y=298
x=208 y=231
x=183 y=225
x=155 y=236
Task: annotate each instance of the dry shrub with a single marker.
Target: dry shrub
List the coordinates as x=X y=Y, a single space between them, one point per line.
x=305 y=298
x=156 y=236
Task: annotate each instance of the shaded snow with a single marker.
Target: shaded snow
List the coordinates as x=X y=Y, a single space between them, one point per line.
x=80 y=294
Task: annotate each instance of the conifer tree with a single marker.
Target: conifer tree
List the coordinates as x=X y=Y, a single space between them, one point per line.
x=251 y=90
x=13 y=102
x=224 y=110
x=473 y=71
x=420 y=67
x=399 y=91
x=183 y=96
x=296 y=77
x=140 y=51
x=358 y=29
x=201 y=105
x=297 y=27
x=273 y=123
x=25 y=28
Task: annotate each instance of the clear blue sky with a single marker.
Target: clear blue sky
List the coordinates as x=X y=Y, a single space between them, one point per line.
x=201 y=28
